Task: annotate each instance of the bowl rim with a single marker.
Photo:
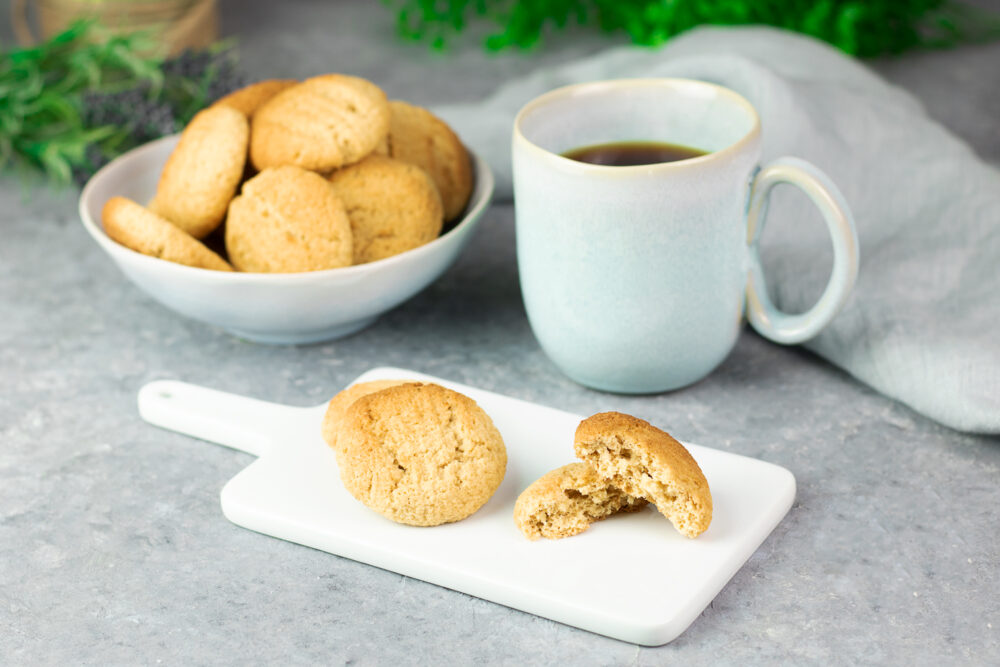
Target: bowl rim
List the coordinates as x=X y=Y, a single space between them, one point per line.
x=483 y=186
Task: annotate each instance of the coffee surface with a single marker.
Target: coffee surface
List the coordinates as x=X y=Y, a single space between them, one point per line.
x=631 y=153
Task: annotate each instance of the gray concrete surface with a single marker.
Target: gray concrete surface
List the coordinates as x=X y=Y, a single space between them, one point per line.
x=113 y=549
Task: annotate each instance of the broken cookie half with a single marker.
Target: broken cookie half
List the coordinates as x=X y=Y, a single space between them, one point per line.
x=565 y=501
x=627 y=463
x=644 y=461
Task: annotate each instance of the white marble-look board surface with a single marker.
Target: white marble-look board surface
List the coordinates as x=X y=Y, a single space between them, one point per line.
x=631 y=577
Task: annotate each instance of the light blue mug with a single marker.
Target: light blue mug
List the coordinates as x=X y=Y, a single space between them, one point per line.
x=636 y=278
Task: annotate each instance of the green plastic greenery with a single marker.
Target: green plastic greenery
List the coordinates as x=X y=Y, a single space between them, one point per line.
x=859 y=27
x=70 y=104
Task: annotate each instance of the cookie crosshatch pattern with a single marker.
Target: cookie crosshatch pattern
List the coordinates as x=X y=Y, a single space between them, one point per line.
x=420 y=454
x=323 y=123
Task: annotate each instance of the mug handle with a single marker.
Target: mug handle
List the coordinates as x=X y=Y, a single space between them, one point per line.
x=762 y=314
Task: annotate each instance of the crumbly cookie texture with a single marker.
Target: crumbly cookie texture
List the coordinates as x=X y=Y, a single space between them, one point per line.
x=250 y=98
x=420 y=454
x=202 y=174
x=393 y=206
x=321 y=124
x=288 y=220
x=646 y=462
x=565 y=501
x=337 y=409
x=136 y=227
x=419 y=137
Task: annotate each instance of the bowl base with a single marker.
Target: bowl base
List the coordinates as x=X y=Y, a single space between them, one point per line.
x=303 y=337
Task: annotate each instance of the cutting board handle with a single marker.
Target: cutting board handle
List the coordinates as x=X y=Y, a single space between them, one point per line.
x=242 y=423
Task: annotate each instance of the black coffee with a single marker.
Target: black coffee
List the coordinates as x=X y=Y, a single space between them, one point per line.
x=630 y=153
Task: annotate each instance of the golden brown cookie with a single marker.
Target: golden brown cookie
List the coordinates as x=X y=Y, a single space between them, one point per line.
x=420 y=454
x=202 y=174
x=320 y=124
x=136 y=227
x=288 y=220
x=335 y=411
x=565 y=501
x=419 y=137
x=646 y=462
x=250 y=98
x=393 y=206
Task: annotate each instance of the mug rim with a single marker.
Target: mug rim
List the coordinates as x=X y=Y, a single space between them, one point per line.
x=675 y=82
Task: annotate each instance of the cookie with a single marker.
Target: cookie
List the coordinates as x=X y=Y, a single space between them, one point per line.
x=565 y=501
x=250 y=98
x=646 y=462
x=420 y=454
x=202 y=174
x=136 y=227
x=335 y=411
x=419 y=137
x=288 y=220
x=320 y=124
x=393 y=206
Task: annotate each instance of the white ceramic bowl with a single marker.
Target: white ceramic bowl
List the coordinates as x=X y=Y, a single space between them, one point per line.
x=283 y=308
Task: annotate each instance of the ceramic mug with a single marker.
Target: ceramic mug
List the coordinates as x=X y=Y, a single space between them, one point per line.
x=636 y=278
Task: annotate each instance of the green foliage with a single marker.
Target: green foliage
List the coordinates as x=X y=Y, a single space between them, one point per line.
x=859 y=27
x=73 y=102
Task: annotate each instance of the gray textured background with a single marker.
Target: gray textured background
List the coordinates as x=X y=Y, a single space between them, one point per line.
x=113 y=548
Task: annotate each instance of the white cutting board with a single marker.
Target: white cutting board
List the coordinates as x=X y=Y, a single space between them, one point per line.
x=632 y=577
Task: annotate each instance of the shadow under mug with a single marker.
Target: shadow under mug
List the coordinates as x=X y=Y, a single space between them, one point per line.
x=636 y=278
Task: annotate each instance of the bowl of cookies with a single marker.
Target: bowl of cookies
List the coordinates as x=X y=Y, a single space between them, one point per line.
x=291 y=212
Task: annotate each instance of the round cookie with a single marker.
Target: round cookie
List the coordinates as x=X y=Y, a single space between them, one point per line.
x=320 y=124
x=250 y=98
x=288 y=220
x=393 y=206
x=565 y=501
x=646 y=462
x=337 y=409
x=202 y=174
x=136 y=227
x=420 y=454
x=419 y=137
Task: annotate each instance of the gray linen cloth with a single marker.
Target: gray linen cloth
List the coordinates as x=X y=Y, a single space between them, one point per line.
x=923 y=325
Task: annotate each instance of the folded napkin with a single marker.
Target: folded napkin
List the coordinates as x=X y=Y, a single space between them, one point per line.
x=923 y=325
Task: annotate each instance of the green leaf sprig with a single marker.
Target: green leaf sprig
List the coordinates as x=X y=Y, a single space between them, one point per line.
x=72 y=103
x=859 y=27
